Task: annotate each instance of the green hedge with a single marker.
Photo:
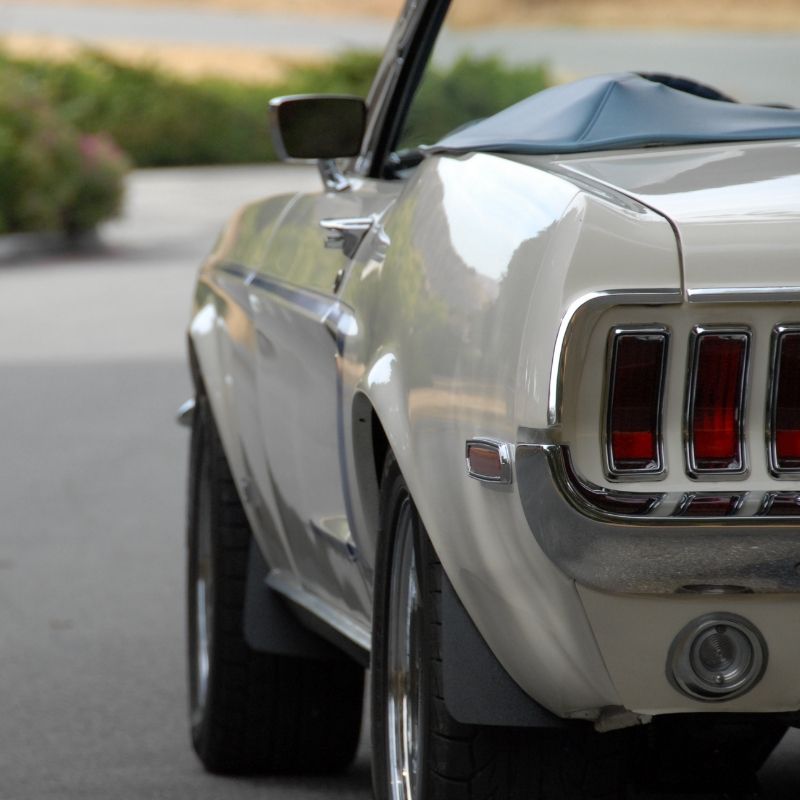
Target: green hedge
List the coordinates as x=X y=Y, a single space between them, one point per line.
x=162 y=120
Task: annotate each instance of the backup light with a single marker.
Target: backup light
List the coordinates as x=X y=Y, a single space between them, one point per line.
x=717 y=657
x=715 y=401
x=637 y=360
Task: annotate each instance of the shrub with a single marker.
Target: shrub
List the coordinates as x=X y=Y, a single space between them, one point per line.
x=98 y=195
x=48 y=182
x=162 y=120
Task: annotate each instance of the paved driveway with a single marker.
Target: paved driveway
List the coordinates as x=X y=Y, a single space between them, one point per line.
x=92 y=689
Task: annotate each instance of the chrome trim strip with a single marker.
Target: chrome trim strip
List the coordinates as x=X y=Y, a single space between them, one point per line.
x=649 y=555
x=770 y=417
x=657 y=472
x=504 y=451
x=695 y=472
x=185 y=414
x=594 y=301
x=769 y=500
x=746 y=294
x=688 y=497
x=578 y=492
x=289 y=587
x=343 y=545
x=315 y=303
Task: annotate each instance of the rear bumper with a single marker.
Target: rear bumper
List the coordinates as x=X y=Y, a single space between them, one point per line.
x=650 y=555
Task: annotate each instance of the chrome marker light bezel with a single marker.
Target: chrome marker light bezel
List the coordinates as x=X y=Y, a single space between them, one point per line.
x=505 y=457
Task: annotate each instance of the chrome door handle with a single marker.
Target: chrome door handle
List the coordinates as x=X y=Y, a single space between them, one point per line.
x=346 y=233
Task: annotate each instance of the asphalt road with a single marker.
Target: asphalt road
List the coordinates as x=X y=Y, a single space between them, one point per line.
x=92 y=685
x=749 y=66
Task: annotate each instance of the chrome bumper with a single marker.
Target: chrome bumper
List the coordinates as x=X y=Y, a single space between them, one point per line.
x=650 y=555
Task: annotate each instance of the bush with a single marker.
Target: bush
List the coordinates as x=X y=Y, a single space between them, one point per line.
x=162 y=120
x=51 y=177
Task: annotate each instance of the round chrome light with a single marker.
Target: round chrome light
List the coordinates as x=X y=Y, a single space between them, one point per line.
x=717 y=657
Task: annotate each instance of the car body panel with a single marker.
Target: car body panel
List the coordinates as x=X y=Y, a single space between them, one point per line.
x=735 y=207
x=635 y=634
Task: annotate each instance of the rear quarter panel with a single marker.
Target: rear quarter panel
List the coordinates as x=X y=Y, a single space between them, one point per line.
x=456 y=323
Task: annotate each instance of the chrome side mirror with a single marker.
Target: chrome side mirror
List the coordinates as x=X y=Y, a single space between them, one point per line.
x=319 y=127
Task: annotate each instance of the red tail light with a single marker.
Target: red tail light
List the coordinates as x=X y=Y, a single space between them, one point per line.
x=633 y=425
x=785 y=401
x=715 y=405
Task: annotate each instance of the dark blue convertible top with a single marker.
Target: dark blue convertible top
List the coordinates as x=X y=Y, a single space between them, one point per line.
x=614 y=112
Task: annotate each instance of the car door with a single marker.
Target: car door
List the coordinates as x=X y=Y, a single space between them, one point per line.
x=300 y=324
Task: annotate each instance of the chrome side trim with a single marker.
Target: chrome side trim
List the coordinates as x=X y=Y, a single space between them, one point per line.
x=286 y=585
x=594 y=301
x=346 y=233
x=504 y=452
x=335 y=533
x=692 y=469
x=332 y=177
x=746 y=294
x=185 y=414
x=781 y=473
x=649 y=554
x=614 y=473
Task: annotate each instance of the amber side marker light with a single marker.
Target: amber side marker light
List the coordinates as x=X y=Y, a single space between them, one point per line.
x=637 y=361
x=489 y=461
x=715 y=401
x=784 y=414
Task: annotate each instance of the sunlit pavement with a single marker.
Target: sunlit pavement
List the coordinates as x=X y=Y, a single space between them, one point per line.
x=92 y=688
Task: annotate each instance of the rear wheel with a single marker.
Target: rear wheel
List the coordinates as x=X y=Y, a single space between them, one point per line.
x=419 y=751
x=251 y=712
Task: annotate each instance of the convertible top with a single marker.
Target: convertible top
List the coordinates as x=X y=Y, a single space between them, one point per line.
x=617 y=111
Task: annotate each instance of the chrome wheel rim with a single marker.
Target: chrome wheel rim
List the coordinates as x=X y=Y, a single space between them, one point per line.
x=203 y=607
x=404 y=662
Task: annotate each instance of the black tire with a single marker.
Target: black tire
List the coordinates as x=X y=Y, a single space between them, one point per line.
x=259 y=713
x=456 y=761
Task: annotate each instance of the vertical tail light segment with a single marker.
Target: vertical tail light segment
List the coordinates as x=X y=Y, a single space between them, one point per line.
x=783 y=413
x=715 y=399
x=637 y=368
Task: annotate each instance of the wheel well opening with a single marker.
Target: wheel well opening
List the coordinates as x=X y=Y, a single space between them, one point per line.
x=380 y=446
x=370 y=446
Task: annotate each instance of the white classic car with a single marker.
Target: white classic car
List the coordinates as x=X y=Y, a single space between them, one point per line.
x=512 y=419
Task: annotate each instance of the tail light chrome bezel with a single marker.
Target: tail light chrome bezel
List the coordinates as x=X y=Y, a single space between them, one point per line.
x=693 y=469
x=659 y=468
x=779 y=332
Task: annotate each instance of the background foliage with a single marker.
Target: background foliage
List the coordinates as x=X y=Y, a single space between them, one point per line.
x=68 y=128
